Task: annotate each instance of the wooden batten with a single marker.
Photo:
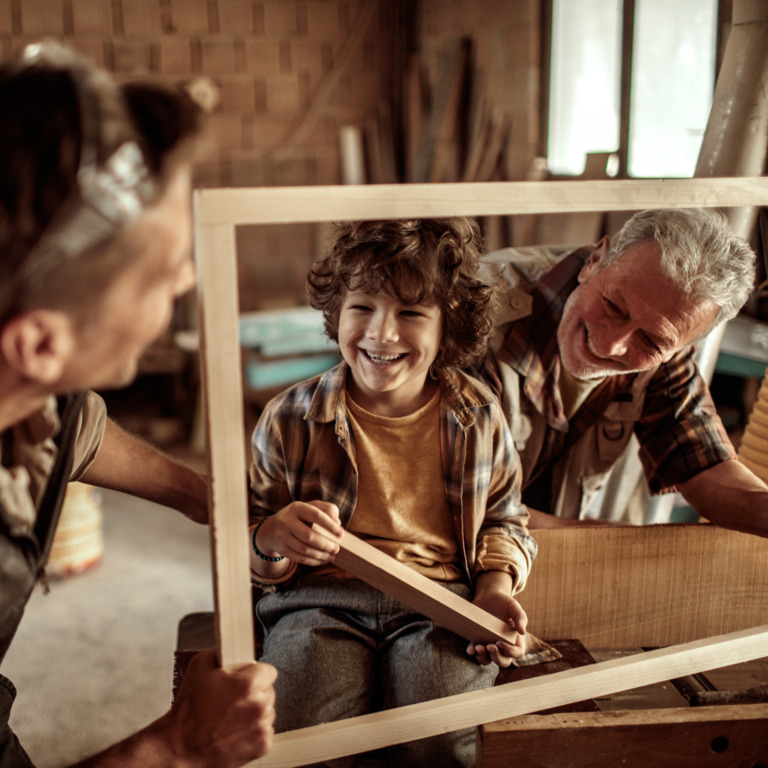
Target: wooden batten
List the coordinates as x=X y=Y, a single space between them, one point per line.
x=395 y=726
x=227 y=501
x=272 y=205
x=420 y=593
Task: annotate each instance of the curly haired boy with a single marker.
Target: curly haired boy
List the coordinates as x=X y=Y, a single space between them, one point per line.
x=399 y=446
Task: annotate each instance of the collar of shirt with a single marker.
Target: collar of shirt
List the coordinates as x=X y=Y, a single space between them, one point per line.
x=530 y=346
x=460 y=392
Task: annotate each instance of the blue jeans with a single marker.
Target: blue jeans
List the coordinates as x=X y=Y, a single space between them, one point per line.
x=343 y=648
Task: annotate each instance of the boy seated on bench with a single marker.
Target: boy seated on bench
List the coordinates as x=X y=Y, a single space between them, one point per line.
x=399 y=446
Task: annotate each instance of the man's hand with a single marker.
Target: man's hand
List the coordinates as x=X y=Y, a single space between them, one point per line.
x=219 y=720
x=222 y=719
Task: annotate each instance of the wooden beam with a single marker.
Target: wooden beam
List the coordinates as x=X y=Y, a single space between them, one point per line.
x=685 y=737
x=420 y=593
x=227 y=500
x=266 y=205
x=645 y=586
x=395 y=726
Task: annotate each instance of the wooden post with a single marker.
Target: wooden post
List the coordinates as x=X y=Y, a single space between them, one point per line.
x=222 y=386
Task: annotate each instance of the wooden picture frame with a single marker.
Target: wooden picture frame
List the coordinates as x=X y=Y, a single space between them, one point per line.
x=217 y=213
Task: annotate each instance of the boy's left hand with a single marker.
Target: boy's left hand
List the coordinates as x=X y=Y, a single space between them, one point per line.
x=505 y=607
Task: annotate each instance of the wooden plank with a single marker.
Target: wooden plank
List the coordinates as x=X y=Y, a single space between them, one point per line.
x=263 y=205
x=227 y=502
x=395 y=726
x=420 y=593
x=500 y=125
x=645 y=586
x=413 y=105
x=447 y=119
x=698 y=737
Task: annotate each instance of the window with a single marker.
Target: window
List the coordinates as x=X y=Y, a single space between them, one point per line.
x=668 y=92
x=585 y=82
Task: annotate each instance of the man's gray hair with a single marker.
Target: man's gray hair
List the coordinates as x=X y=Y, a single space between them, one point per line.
x=699 y=252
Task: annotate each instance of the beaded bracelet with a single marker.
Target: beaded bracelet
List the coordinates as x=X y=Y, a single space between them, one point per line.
x=260 y=554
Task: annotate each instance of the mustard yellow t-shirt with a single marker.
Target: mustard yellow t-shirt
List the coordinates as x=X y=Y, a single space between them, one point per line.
x=401 y=506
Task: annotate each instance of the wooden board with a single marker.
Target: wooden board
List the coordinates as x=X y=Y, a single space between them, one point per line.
x=369 y=732
x=420 y=593
x=704 y=737
x=383 y=201
x=222 y=386
x=649 y=586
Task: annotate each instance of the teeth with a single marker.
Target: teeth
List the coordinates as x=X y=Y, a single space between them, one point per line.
x=382 y=358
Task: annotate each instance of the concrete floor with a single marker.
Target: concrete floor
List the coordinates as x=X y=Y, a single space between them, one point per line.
x=93 y=660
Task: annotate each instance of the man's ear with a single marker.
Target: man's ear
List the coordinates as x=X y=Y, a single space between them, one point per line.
x=38 y=344
x=594 y=260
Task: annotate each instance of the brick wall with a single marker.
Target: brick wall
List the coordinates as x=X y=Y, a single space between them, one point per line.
x=288 y=75
x=289 y=72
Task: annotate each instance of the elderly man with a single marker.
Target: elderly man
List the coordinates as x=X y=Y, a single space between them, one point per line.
x=600 y=346
x=95 y=224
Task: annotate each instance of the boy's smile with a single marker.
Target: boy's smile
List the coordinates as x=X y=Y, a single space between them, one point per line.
x=389 y=347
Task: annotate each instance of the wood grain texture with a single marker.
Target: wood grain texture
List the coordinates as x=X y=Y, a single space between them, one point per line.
x=257 y=205
x=417 y=721
x=687 y=737
x=420 y=593
x=625 y=586
x=222 y=386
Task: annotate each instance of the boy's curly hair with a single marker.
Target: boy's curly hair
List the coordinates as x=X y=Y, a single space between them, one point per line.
x=416 y=261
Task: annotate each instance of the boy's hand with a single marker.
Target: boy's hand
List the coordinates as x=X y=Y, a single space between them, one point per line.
x=306 y=532
x=493 y=594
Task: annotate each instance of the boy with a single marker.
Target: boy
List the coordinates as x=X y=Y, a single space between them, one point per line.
x=400 y=447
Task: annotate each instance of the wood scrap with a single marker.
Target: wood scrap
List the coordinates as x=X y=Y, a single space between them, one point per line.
x=447 y=133
x=420 y=593
x=413 y=115
x=668 y=584
x=676 y=738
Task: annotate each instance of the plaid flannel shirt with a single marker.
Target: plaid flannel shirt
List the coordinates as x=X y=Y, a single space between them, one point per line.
x=679 y=431
x=303 y=449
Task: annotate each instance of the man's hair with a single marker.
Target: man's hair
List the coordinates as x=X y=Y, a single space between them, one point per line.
x=81 y=156
x=416 y=261
x=699 y=252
